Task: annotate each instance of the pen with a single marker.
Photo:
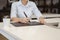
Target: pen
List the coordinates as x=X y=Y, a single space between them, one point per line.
x=25 y=15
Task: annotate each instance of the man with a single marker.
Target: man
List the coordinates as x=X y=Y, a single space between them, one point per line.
x=19 y=9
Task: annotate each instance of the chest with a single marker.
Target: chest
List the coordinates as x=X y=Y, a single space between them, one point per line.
x=22 y=8
x=28 y=10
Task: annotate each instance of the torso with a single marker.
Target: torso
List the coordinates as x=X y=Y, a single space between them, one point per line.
x=27 y=9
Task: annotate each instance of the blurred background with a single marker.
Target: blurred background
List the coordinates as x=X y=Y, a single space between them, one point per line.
x=45 y=6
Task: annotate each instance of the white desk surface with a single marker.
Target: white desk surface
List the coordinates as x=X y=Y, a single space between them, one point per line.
x=41 y=32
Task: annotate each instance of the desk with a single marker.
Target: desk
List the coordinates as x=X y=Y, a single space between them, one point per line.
x=41 y=32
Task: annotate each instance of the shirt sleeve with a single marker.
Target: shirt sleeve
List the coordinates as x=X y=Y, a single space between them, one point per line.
x=36 y=11
x=13 y=10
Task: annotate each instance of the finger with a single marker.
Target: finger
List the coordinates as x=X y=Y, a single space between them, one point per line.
x=27 y=18
x=26 y=21
x=23 y=22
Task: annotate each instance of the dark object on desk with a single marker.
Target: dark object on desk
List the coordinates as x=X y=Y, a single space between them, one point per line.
x=27 y=24
x=53 y=24
x=2 y=37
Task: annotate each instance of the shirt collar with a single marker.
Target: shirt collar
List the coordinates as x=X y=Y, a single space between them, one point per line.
x=20 y=3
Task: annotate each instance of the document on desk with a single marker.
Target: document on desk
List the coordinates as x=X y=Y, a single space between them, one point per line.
x=27 y=24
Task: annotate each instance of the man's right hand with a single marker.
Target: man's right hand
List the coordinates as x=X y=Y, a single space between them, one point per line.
x=22 y=20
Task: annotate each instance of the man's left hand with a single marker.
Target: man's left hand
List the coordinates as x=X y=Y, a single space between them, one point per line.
x=41 y=20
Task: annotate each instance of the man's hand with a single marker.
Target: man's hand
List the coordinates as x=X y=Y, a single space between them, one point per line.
x=41 y=20
x=22 y=20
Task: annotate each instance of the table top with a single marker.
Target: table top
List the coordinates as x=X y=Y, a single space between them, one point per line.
x=40 y=32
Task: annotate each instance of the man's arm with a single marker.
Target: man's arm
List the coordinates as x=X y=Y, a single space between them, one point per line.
x=14 y=19
x=14 y=13
x=22 y=20
x=38 y=13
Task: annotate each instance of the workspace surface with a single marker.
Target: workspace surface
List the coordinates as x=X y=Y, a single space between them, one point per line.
x=2 y=37
x=39 y=32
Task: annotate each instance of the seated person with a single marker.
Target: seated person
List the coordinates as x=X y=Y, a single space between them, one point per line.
x=22 y=7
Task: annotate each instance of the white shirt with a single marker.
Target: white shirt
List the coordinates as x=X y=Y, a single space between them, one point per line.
x=18 y=9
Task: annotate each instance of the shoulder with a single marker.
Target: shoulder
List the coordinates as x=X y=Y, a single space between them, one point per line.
x=32 y=3
x=15 y=3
